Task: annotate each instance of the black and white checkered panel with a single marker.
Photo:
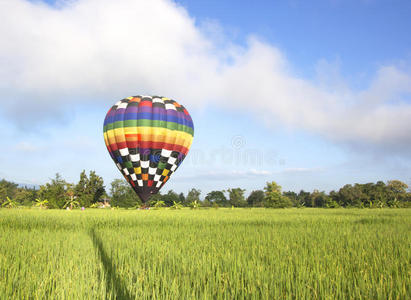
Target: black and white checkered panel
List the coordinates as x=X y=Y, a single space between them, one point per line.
x=135 y=161
x=158 y=102
x=170 y=159
x=145 y=165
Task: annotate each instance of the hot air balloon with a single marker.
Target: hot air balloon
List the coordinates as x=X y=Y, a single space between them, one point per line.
x=148 y=137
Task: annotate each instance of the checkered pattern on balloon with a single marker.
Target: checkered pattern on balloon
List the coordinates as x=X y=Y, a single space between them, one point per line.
x=148 y=137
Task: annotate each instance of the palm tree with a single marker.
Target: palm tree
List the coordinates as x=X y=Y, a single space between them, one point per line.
x=195 y=204
x=41 y=203
x=9 y=203
x=176 y=205
x=159 y=204
x=94 y=205
x=71 y=202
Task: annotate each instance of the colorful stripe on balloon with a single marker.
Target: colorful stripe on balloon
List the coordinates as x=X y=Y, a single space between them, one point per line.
x=148 y=137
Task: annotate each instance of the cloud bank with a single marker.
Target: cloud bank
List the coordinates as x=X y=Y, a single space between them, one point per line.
x=98 y=51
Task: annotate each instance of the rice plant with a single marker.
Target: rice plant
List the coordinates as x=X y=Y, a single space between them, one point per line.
x=205 y=254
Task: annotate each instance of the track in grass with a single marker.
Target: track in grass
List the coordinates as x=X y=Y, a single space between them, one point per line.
x=114 y=284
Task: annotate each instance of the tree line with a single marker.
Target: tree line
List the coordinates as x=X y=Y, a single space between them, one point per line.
x=90 y=191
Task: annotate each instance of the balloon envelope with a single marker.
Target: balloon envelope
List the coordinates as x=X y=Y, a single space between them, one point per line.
x=148 y=137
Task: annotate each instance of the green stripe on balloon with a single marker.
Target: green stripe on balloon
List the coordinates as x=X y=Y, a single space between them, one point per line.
x=149 y=123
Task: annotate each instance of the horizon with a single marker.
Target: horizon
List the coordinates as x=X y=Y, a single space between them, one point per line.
x=202 y=195
x=286 y=92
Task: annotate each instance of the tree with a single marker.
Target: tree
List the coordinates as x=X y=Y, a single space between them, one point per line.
x=334 y=199
x=9 y=203
x=95 y=187
x=407 y=202
x=81 y=192
x=55 y=192
x=293 y=197
x=122 y=194
x=365 y=194
x=182 y=198
x=156 y=198
x=397 y=186
x=7 y=189
x=303 y=199
x=42 y=203
x=321 y=199
x=350 y=196
x=193 y=195
x=195 y=204
x=236 y=197
x=25 y=196
x=378 y=194
x=71 y=202
x=170 y=198
x=274 y=197
x=3 y=194
x=397 y=192
x=176 y=205
x=159 y=204
x=89 y=190
x=216 y=198
x=256 y=198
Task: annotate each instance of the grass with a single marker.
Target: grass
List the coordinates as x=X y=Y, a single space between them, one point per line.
x=206 y=254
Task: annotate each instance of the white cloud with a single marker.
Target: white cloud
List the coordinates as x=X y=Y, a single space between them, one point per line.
x=54 y=58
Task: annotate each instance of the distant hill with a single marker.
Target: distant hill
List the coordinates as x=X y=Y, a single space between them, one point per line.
x=28 y=185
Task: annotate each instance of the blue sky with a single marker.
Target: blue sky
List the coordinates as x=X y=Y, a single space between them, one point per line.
x=313 y=95
x=360 y=34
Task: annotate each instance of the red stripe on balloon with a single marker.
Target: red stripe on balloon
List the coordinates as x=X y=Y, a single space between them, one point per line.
x=148 y=145
x=145 y=103
x=121 y=145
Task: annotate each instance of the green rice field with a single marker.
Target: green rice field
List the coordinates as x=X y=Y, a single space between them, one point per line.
x=205 y=254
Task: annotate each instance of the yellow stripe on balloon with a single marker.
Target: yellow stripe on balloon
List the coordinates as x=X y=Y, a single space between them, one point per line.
x=111 y=137
x=149 y=133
